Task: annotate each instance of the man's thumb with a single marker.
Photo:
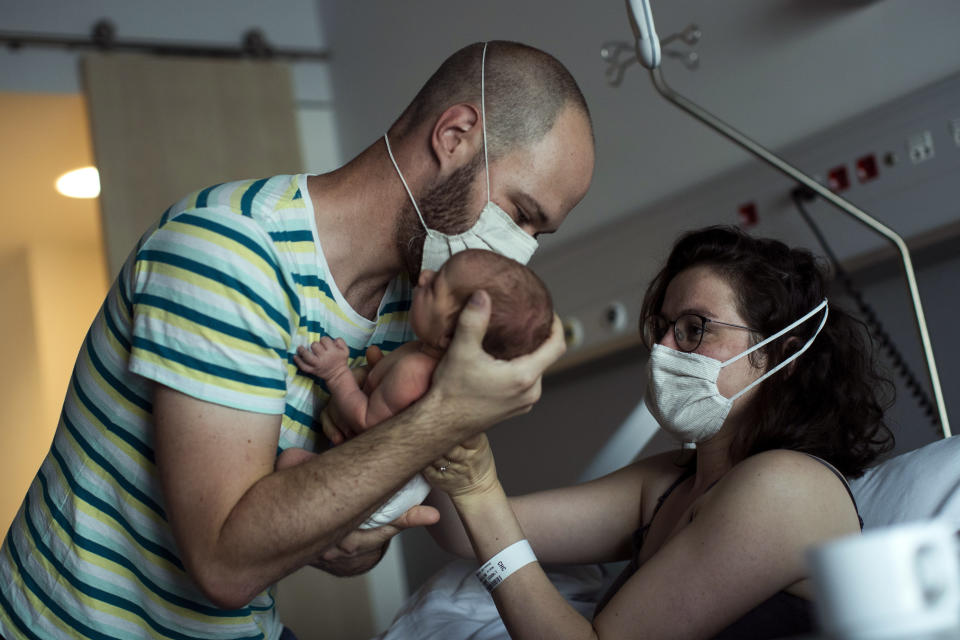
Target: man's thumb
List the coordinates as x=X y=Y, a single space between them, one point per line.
x=474 y=318
x=418 y=516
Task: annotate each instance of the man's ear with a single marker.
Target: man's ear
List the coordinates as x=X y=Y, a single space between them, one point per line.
x=456 y=137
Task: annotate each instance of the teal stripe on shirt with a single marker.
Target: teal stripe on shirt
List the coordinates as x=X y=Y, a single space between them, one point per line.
x=207 y=321
x=246 y=202
x=245 y=241
x=206 y=367
x=107 y=376
x=105 y=552
x=101 y=417
x=188 y=264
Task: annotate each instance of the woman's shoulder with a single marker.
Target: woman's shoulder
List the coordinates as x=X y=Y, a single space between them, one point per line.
x=788 y=463
x=783 y=470
x=788 y=483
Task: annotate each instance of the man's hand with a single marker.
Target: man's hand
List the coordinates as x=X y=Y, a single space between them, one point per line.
x=362 y=549
x=478 y=390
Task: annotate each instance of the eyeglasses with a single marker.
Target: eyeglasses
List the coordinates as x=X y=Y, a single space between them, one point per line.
x=688 y=330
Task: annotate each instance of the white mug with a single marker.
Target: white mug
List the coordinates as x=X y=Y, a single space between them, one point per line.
x=898 y=582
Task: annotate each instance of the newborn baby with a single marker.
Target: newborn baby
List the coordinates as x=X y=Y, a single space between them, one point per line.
x=520 y=321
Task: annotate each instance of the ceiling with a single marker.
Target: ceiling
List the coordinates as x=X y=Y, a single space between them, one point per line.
x=44 y=136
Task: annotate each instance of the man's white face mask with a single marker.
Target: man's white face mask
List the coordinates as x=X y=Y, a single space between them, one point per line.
x=494 y=230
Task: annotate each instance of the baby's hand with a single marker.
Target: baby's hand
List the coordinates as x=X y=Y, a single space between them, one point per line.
x=324 y=358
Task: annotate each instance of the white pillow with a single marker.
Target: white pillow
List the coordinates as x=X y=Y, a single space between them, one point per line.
x=916 y=485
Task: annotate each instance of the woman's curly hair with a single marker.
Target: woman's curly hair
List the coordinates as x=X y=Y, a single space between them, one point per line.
x=830 y=401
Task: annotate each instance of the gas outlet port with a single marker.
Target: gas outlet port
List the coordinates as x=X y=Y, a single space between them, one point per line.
x=572 y=332
x=615 y=316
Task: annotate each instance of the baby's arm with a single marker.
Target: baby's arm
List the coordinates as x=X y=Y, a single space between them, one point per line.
x=327 y=359
x=404 y=383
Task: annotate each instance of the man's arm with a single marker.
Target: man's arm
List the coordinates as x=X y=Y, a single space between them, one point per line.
x=240 y=526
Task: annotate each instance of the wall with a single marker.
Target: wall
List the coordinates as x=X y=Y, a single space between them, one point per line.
x=50 y=295
x=23 y=439
x=52 y=244
x=777 y=69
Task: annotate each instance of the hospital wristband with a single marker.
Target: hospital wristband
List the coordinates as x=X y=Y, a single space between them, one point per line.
x=501 y=566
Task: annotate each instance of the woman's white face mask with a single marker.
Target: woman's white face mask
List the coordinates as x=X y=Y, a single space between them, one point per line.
x=682 y=391
x=494 y=230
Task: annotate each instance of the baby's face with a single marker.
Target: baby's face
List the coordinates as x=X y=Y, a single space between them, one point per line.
x=433 y=311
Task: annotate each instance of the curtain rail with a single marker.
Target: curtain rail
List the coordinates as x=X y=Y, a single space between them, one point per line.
x=103 y=38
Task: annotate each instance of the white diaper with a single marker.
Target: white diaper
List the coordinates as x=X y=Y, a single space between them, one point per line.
x=409 y=495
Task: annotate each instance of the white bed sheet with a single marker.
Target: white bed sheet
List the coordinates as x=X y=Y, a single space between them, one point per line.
x=453 y=605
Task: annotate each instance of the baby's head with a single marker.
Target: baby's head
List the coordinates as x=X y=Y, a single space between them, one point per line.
x=522 y=313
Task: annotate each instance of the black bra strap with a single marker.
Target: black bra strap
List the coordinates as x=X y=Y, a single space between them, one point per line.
x=843 y=479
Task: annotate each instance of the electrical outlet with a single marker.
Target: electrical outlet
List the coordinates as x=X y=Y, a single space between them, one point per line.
x=955 y=131
x=920 y=147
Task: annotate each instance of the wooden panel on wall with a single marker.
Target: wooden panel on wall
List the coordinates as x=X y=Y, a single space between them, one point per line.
x=24 y=438
x=163 y=127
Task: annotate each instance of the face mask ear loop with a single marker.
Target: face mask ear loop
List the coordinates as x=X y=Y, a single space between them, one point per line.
x=483 y=114
x=386 y=139
x=760 y=344
x=826 y=312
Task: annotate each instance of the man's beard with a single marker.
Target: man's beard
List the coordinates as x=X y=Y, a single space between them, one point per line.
x=444 y=209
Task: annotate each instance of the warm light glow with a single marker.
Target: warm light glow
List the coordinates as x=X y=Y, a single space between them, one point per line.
x=80 y=183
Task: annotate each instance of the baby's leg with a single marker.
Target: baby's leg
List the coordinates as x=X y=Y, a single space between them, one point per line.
x=409 y=495
x=292 y=457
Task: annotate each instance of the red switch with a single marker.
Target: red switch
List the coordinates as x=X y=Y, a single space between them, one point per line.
x=837 y=179
x=748 y=214
x=867 y=168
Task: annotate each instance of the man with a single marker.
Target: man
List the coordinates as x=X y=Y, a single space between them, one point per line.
x=158 y=512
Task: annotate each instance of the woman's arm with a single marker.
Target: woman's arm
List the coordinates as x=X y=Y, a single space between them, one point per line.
x=470 y=478
x=743 y=542
x=585 y=523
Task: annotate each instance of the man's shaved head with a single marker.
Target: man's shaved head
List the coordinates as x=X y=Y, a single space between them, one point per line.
x=526 y=89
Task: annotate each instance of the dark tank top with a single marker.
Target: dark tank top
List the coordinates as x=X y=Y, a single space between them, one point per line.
x=782 y=614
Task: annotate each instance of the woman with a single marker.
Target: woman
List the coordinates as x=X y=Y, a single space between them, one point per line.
x=715 y=542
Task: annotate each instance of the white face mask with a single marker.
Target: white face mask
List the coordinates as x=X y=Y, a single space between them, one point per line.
x=682 y=389
x=494 y=230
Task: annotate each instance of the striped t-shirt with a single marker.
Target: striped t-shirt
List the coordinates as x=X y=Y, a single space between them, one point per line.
x=213 y=303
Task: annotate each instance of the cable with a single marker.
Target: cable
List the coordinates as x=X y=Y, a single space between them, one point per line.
x=802 y=194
